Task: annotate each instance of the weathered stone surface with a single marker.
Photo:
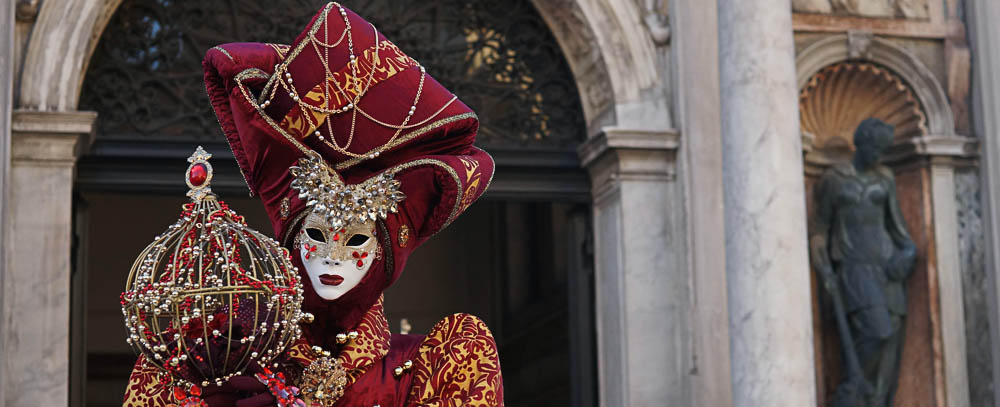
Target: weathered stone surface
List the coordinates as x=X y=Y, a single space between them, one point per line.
x=638 y=268
x=912 y=8
x=866 y=8
x=770 y=325
x=36 y=281
x=917 y=9
x=975 y=284
x=812 y=6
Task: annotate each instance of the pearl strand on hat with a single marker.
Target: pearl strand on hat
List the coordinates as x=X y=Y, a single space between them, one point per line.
x=352 y=105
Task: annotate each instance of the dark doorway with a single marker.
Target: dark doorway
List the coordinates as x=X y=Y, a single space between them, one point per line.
x=519 y=258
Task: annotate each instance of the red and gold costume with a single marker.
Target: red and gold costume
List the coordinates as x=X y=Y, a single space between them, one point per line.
x=343 y=96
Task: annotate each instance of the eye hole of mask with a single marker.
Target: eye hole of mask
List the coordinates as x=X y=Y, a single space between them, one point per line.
x=357 y=240
x=316 y=234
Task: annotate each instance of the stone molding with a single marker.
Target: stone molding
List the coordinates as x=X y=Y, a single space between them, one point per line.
x=618 y=155
x=55 y=137
x=953 y=148
x=942 y=22
x=937 y=146
x=632 y=139
x=905 y=9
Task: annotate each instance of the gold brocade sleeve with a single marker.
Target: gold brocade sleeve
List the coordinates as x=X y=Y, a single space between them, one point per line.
x=457 y=365
x=144 y=388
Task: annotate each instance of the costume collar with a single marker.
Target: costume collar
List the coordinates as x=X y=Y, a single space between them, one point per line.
x=370 y=345
x=372 y=342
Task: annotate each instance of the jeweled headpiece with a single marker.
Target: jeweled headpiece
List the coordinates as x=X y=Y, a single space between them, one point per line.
x=340 y=204
x=211 y=298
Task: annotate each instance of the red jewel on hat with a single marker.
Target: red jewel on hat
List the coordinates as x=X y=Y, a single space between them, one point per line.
x=198 y=174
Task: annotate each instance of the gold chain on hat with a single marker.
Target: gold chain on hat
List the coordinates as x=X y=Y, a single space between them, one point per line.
x=322 y=49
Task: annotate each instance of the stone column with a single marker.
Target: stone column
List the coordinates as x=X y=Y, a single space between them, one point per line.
x=985 y=35
x=767 y=265
x=35 y=325
x=695 y=66
x=641 y=282
x=7 y=52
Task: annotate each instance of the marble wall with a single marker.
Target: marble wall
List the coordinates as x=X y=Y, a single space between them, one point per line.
x=975 y=286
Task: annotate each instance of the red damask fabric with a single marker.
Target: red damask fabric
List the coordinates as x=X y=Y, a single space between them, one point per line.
x=456 y=364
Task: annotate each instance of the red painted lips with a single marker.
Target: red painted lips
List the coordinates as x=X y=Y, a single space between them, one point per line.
x=331 y=279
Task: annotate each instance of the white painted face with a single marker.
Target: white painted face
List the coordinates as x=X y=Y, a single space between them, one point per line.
x=336 y=260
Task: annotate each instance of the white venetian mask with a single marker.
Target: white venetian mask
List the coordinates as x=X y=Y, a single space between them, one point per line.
x=336 y=260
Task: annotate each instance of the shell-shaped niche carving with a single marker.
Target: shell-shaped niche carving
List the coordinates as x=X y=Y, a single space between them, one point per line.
x=837 y=98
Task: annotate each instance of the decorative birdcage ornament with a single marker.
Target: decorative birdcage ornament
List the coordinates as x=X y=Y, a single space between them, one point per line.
x=211 y=298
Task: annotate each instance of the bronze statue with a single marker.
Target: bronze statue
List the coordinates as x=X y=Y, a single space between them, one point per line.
x=863 y=254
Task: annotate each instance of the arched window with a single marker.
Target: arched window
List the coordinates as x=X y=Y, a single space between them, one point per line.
x=499 y=57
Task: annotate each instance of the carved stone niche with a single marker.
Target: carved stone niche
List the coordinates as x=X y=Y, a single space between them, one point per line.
x=840 y=96
x=832 y=102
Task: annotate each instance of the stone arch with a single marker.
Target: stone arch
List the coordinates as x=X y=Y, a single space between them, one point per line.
x=614 y=77
x=839 y=48
x=62 y=40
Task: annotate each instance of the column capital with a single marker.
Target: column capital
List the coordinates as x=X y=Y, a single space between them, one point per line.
x=954 y=149
x=58 y=137
x=614 y=139
x=617 y=154
x=938 y=146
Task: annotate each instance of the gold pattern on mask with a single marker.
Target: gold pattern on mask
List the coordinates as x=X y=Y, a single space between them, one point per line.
x=352 y=243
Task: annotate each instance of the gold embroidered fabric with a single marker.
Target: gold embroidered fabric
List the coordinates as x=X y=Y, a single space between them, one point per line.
x=456 y=364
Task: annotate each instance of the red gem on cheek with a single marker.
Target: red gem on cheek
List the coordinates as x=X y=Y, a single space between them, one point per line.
x=198 y=174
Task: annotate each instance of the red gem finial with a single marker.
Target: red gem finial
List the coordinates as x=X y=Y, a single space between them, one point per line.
x=198 y=174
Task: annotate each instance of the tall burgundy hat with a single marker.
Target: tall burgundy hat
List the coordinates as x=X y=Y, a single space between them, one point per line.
x=355 y=115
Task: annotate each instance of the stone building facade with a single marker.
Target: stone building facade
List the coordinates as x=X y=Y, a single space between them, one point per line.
x=703 y=127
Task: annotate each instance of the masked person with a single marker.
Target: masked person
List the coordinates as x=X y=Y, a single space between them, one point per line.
x=359 y=156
